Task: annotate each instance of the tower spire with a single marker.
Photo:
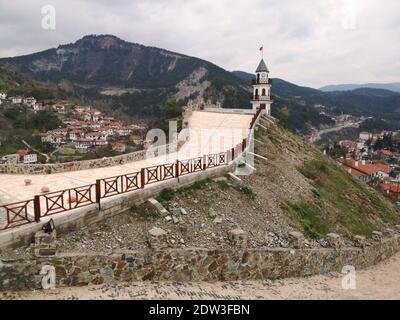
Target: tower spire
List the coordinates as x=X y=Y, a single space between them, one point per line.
x=261 y=98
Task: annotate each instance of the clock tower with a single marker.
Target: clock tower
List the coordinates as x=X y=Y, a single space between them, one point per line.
x=261 y=97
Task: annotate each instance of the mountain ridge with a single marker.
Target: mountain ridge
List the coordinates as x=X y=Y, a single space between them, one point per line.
x=135 y=80
x=393 y=86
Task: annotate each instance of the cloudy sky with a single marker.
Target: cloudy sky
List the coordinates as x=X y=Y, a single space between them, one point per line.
x=309 y=42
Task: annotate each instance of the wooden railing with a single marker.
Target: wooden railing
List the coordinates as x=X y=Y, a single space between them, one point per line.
x=31 y=211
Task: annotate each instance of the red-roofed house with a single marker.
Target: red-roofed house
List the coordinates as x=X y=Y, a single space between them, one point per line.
x=391 y=188
x=365 y=170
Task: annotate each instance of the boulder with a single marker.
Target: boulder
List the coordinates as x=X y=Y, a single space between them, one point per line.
x=388 y=232
x=237 y=237
x=360 y=241
x=217 y=220
x=377 y=236
x=156 y=238
x=334 y=240
x=296 y=239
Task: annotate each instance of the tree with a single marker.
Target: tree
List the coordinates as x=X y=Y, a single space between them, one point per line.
x=284 y=113
x=171 y=109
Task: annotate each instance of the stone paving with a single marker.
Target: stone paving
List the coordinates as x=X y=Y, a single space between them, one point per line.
x=210 y=132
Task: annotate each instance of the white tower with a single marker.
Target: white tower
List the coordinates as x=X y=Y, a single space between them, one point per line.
x=261 y=97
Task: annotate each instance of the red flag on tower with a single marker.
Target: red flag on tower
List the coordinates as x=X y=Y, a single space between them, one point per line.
x=262 y=48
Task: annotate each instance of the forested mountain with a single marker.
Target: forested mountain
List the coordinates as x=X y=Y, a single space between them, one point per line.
x=131 y=77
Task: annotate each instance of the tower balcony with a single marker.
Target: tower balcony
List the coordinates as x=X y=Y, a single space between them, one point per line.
x=258 y=81
x=262 y=98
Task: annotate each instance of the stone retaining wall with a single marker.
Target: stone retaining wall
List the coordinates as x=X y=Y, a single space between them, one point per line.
x=81 y=165
x=192 y=264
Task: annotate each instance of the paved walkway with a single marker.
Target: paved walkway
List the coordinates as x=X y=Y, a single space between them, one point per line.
x=211 y=132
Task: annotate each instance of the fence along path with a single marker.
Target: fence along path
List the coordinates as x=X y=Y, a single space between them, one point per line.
x=84 y=194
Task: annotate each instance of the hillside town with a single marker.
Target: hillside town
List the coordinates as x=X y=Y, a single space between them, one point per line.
x=83 y=128
x=373 y=158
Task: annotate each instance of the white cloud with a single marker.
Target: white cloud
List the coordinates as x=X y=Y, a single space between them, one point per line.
x=309 y=42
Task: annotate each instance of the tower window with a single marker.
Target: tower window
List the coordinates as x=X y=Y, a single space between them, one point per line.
x=263 y=92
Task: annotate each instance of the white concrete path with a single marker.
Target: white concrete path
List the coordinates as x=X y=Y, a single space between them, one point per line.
x=210 y=132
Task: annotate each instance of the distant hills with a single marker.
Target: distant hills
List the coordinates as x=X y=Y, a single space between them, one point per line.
x=381 y=104
x=348 y=87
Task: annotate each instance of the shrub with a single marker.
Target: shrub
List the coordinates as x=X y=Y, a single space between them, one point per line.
x=167 y=194
x=248 y=192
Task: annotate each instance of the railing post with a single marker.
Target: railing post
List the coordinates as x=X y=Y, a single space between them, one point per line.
x=204 y=162
x=177 y=169
x=142 y=178
x=36 y=208
x=98 y=191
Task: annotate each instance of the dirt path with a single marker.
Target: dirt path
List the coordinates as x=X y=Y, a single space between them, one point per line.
x=379 y=282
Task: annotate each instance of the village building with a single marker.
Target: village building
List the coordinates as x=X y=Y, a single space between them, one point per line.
x=81 y=109
x=349 y=145
x=82 y=145
x=365 y=136
x=16 y=100
x=392 y=189
x=123 y=131
x=74 y=134
x=93 y=136
x=366 y=170
x=119 y=147
x=38 y=107
x=60 y=108
x=25 y=157
x=30 y=101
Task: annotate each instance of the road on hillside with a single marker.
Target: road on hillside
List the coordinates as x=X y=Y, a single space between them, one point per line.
x=317 y=136
x=379 y=282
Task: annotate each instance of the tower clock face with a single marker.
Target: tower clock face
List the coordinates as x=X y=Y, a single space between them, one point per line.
x=263 y=75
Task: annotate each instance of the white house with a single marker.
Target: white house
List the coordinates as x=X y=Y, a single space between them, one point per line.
x=100 y=142
x=123 y=131
x=82 y=109
x=60 y=108
x=30 y=101
x=29 y=158
x=365 y=135
x=38 y=107
x=75 y=135
x=16 y=100
x=95 y=136
x=3 y=95
x=82 y=144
